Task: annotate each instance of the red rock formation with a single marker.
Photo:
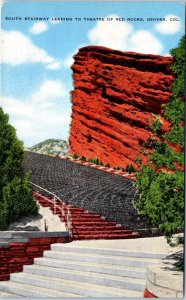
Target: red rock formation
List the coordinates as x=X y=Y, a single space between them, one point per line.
x=116 y=97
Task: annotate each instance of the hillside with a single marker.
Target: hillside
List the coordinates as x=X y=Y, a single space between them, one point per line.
x=51 y=147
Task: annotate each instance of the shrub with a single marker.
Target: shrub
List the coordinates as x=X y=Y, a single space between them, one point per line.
x=15 y=193
x=161 y=193
x=164 y=156
x=107 y=165
x=83 y=158
x=94 y=161
x=130 y=168
x=17 y=201
x=174 y=111
x=76 y=156
x=139 y=160
x=161 y=199
x=176 y=135
x=97 y=161
x=156 y=126
x=150 y=143
x=144 y=152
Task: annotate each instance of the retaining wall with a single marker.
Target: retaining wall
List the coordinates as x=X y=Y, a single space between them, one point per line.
x=162 y=282
x=147 y=294
x=20 y=248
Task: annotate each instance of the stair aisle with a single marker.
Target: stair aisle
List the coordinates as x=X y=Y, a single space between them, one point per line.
x=68 y=270
x=86 y=225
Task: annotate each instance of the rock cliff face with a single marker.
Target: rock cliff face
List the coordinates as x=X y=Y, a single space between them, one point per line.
x=116 y=97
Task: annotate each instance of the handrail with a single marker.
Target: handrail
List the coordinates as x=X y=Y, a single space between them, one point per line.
x=66 y=216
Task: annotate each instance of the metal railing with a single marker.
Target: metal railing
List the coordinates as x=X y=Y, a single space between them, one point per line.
x=63 y=207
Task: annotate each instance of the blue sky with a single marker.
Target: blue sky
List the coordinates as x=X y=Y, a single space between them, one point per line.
x=37 y=54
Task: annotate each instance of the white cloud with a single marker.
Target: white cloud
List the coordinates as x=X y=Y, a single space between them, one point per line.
x=68 y=62
x=54 y=66
x=43 y=115
x=168 y=26
x=16 y=107
x=18 y=49
x=50 y=90
x=122 y=36
x=143 y=41
x=39 y=27
x=113 y=34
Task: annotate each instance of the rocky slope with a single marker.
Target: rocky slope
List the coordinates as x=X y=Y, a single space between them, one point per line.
x=51 y=147
x=116 y=98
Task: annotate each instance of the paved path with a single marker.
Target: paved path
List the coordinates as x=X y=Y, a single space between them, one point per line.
x=152 y=244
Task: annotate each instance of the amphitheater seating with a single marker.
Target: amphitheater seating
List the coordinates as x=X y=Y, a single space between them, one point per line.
x=81 y=186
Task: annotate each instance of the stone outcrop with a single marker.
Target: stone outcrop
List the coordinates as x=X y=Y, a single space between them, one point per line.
x=116 y=97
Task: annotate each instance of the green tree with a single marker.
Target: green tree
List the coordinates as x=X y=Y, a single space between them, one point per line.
x=76 y=156
x=130 y=168
x=15 y=193
x=162 y=193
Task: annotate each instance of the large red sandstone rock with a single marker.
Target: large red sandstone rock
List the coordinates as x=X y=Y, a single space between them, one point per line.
x=116 y=97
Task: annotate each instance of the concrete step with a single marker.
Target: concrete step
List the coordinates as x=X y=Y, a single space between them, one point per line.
x=88 y=277
x=100 y=228
x=95 y=258
x=113 y=252
x=76 y=209
x=92 y=267
x=101 y=224
x=100 y=231
x=85 y=214
x=77 y=212
x=90 y=222
x=105 y=236
x=74 y=287
x=102 y=236
x=7 y=295
x=29 y=290
x=73 y=210
x=85 y=218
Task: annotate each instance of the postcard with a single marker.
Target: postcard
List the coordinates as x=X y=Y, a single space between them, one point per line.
x=92 y=149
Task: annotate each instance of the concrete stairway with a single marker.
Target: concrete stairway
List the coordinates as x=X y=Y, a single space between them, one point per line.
x=86 y=225
x=68 y=270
